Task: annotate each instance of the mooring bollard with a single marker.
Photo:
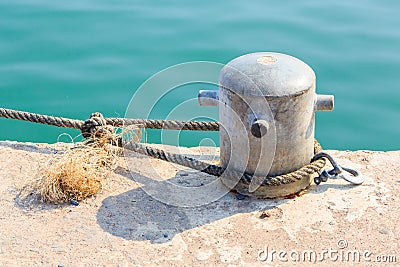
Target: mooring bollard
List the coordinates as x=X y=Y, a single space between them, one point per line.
x=267 y=102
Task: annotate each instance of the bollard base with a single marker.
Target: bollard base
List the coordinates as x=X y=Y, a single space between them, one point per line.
x=270 y=192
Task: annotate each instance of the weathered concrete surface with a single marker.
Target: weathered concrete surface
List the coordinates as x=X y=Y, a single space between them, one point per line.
x=123 y=226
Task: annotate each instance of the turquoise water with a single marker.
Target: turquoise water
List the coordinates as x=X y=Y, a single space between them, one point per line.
x=71 y=58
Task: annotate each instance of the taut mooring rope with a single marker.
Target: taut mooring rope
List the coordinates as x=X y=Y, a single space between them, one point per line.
x=97 y=124
x=116 y=122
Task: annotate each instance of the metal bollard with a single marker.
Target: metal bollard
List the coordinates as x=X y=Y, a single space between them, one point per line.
x=267 y=103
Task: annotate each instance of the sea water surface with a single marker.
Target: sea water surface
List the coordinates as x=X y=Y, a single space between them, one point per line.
x=71 y=58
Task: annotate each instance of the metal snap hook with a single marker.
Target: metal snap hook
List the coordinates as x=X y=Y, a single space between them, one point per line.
x=353 y=177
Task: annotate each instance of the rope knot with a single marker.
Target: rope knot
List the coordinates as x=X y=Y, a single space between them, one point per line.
x=96 y=127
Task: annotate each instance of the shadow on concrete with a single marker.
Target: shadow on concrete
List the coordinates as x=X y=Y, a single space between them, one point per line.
x=29 y=201
x=134 y=215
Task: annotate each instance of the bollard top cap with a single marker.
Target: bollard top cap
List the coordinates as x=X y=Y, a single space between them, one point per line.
x=268 y=74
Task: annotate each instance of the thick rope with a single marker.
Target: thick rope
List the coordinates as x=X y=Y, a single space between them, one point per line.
x=43 y=119
x=165 y=124
x=216 y=170
x=98 y=126
x=85 y=126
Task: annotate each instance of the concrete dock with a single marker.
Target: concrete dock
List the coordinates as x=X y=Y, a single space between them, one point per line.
x=333 y=223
